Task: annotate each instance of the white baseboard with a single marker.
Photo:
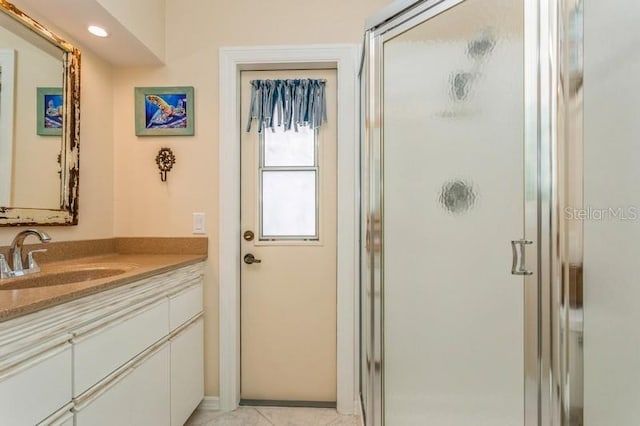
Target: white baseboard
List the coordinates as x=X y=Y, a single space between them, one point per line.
x=209 y=403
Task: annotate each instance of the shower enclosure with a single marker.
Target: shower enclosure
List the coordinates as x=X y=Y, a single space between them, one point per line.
x=472 y=201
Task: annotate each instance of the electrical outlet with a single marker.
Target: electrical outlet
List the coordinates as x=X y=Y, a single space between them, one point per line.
x=199 y=223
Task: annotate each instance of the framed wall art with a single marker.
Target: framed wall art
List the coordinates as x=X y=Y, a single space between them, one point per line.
x=49 y=111
x=164 y=111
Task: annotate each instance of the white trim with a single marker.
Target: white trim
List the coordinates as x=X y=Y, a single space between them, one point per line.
x=7 y=82
x=209 y=403
x=345 y=58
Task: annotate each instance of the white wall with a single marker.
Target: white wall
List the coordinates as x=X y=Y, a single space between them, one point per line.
x=611 y=246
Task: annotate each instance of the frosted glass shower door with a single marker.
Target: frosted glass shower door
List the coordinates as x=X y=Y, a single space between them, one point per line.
x=611 y=217
x=453 y=148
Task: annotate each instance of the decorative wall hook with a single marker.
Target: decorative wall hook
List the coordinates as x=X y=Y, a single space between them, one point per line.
x=165 y=161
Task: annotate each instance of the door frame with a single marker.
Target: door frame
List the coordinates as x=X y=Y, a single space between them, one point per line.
x=345 y=59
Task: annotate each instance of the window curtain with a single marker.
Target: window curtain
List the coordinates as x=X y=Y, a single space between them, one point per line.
x=288 y=103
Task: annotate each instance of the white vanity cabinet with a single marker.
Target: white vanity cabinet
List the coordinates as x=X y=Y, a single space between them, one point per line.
x=36 y=387
x=138 y=396
x=132 y=355
x=101 y=351
x=187 y=371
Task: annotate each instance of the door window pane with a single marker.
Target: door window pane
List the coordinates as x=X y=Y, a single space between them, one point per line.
x=288 y=206
x=289 y=148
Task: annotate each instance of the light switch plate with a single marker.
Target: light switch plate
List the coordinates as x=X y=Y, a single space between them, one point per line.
x=199 y=223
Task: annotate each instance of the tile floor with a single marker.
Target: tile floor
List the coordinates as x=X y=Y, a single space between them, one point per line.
x=272 y=416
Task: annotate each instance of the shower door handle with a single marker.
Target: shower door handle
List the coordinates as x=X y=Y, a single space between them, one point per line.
x=517 y=265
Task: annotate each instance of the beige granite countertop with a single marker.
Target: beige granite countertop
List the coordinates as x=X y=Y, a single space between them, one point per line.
x=16 y=300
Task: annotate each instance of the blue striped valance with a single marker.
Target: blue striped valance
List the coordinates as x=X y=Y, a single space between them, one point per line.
x=288 y=103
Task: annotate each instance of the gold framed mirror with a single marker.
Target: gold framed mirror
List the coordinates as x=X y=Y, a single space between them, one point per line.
x=39 y=135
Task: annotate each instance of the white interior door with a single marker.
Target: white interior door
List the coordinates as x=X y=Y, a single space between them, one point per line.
x=453 y=179
x=288 y=222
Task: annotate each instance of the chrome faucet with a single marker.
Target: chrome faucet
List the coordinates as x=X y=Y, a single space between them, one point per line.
x=15 y=254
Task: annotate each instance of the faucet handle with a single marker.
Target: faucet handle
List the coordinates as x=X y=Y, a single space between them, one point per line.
x=31 y=261
x=5 y=271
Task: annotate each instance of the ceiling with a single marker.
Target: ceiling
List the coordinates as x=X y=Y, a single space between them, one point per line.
x=72 y=17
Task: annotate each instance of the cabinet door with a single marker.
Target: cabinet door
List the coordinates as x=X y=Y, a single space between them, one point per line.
x=108 y=405
x=45 y=379
x=187 y=372
x=150 y=396
x=139 y=397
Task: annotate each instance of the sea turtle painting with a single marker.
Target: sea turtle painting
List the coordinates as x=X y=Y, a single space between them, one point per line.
x=165 y=111
x=53 y=111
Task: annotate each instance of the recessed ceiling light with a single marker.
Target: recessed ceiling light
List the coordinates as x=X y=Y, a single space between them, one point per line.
x=97 y=31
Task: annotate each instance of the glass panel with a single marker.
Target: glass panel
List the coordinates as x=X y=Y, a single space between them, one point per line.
x=610 y=215
x=453 y=107
x=289 y=148
x=568 y=358
x=289 y=204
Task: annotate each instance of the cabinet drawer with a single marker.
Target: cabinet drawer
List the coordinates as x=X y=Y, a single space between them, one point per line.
x=102 y=351
x=36 y=388
x=184 y=306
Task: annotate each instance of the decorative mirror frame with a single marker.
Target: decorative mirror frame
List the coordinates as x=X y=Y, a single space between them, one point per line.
x=70 y=150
